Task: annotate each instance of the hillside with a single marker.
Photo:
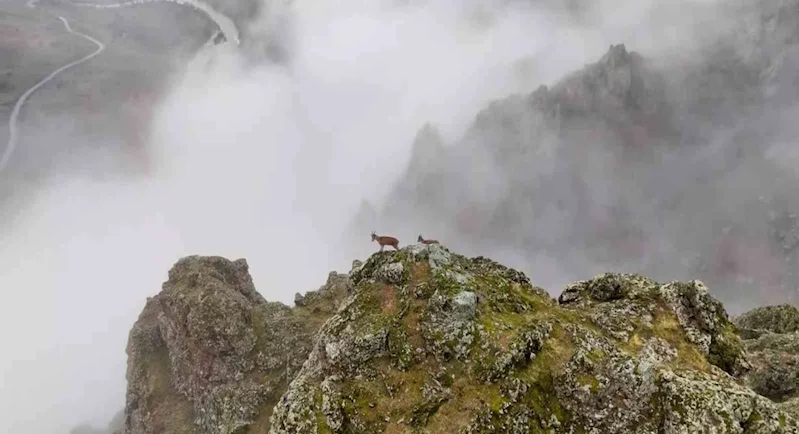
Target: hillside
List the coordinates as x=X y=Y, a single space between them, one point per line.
x=426 y=340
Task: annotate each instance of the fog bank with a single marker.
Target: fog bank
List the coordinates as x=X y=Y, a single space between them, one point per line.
x=268 y=162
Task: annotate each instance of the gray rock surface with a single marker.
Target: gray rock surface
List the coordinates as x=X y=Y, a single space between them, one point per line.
x=783 y=318
x=210 y=355
x=466 y=345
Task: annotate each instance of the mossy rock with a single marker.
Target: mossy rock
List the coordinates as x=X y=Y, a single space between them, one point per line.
x=465 y=345
x=772 y=343
x=782 y=318
x=425 y=340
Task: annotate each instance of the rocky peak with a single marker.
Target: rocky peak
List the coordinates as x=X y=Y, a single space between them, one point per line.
x=619 y=88
x=436 y=342
x=616 y=87
x=617 y=56
x=427 y=155
x=427 y=144
x=327 y=297
x=426 y=340
x=209 y=355
x=212 y=272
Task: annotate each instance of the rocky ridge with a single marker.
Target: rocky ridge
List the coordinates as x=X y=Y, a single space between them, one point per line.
x=426 y=340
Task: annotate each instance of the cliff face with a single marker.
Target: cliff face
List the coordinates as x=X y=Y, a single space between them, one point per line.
x=210 y=355
x=426 y=340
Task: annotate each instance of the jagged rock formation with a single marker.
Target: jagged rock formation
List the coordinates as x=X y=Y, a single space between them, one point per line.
x=772 y=340
x=606 y=167
x=426 y=340
x=210 y=355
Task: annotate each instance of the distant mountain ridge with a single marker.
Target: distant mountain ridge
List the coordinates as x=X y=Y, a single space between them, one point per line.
x=662 y=166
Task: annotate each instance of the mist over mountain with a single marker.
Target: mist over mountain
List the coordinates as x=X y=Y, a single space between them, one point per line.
x=671 y=163
x=564 y=139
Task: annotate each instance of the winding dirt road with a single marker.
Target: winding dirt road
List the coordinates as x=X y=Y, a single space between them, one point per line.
x=225 y=24
x=12 y=121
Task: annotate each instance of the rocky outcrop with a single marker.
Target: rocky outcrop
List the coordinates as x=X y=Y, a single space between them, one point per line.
x=426 y=340
x=772 y=341
x=210 y=355
x=611 y=300
x=774 y=319
x=431 y=341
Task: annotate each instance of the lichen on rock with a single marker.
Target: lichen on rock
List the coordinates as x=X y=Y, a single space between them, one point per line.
x=772 y=341
x=466 y=345
x=425 y=340
x=783 y=318
x=622 y=303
